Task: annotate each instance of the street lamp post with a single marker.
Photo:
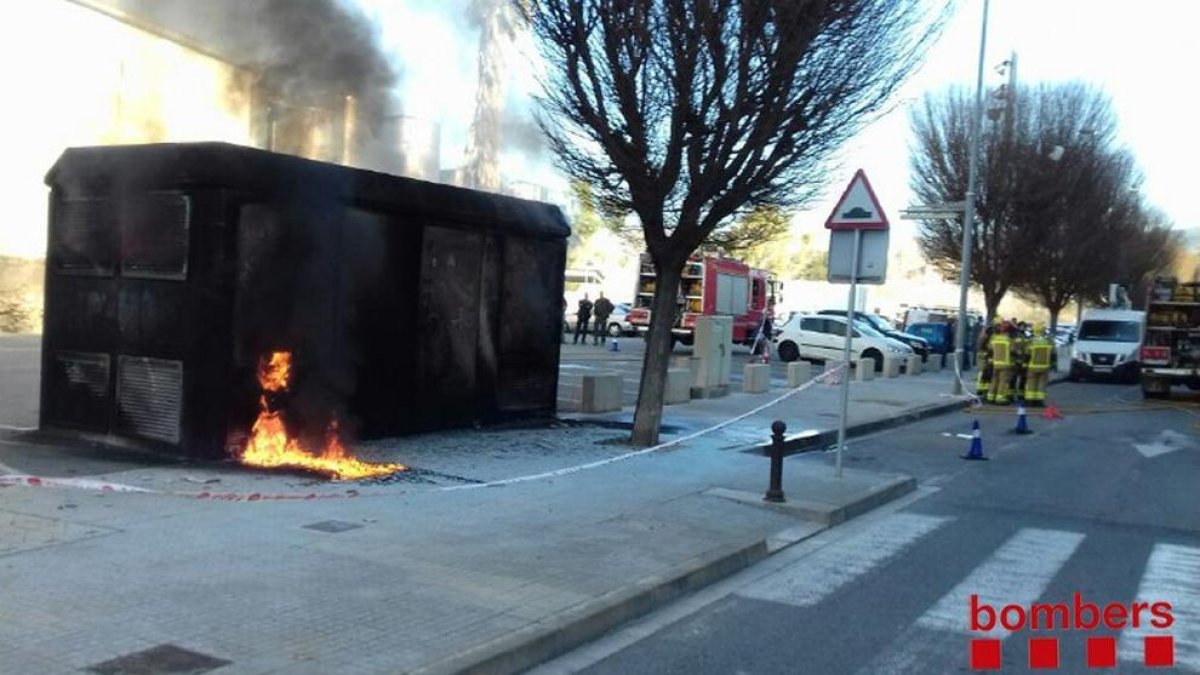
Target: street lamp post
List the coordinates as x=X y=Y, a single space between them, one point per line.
x=960 y=334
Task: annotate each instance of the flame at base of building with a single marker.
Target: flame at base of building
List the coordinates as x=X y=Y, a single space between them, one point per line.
x=271 y=447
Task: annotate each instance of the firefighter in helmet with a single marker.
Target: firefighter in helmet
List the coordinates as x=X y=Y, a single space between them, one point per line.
x=1002 y=364
x=1037 y=371
x=1020 y=358
x=983 y=357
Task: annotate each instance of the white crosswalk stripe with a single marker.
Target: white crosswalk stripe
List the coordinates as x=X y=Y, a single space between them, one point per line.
x=1172 y=575
x=1016 y=573
x=819 y=575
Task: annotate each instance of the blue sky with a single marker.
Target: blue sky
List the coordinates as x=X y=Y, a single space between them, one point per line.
x=1137 y=52
x=1140 y=53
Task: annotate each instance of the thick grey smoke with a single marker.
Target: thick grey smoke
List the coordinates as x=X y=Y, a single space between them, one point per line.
x=323 y=49
x=305 y=53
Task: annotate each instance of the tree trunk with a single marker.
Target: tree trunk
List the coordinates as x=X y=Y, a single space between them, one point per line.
x=1054 y=312
x=647 y=418
x=992 y=303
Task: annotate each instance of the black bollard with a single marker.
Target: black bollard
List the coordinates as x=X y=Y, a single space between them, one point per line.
x=775 y=491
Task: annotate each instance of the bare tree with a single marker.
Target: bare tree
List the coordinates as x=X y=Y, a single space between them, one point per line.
x=764 y=226
x=689 y=112
x=941 y=129
x=1074 y=190
x=1148 y=246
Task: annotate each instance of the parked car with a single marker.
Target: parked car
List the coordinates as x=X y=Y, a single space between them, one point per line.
x=1064 y=335
x=822 y=337
x=618 y=321
x=918 y=344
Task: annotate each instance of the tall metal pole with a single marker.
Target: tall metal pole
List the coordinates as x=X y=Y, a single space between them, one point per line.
x=849 y=333
x=960 y=335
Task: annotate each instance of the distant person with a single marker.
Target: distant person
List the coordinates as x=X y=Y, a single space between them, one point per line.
x=762 y=341
x=583 y=314
x=602 y=309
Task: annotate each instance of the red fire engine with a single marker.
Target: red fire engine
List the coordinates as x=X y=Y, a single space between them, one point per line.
x=711 y=286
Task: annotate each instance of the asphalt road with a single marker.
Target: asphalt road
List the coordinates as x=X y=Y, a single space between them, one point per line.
x=1103 y=503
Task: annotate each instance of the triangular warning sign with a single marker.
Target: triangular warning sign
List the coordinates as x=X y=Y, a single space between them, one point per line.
x=858 y=209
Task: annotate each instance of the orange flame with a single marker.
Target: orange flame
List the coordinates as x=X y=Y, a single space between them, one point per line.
x=271 y=447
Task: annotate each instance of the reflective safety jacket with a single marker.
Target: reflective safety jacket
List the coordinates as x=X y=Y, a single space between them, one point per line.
x=1001 y=351
x=1040 y=350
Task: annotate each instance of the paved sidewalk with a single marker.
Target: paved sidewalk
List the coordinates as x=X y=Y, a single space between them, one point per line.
x=432 y=572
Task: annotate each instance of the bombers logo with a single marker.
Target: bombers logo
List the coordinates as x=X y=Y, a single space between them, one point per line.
x=985 y=653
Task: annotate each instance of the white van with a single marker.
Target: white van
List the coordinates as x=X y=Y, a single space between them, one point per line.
x=1108 y=344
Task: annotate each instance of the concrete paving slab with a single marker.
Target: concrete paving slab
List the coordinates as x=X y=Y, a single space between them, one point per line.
x=492 y=578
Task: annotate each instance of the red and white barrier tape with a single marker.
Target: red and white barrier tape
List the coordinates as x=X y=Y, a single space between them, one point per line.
x=74 y=483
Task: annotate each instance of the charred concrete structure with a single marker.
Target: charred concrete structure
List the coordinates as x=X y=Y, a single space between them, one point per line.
x=173 y=268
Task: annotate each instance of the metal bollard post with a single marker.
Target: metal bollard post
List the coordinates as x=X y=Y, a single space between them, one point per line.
x=775 y=491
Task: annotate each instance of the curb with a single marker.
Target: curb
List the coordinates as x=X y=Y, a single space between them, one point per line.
x=534 y=644
x=809 y=440
x=824 y=514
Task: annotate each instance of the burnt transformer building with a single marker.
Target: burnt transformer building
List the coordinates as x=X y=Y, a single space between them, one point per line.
x=173 y=269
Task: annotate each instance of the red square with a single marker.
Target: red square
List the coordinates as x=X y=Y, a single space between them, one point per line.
x=1043 y=652
x=1160 y=650
x=1102 y=652
x=985 y=654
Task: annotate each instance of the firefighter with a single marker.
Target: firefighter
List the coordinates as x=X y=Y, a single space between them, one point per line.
x=983 y=358
x=1041 y=348
x=1002 y=365
x=1020 y=357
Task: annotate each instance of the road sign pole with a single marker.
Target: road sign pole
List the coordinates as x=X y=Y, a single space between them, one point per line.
x=846 y=354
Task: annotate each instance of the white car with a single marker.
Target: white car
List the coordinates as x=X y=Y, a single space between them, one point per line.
x=822 y=338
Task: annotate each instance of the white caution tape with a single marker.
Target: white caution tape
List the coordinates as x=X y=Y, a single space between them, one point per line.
x=27 y=480
x=968 y=394
x=657 y=448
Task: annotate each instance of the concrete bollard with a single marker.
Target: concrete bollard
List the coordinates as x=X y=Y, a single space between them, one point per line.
x=799 y=372
x=756 y=378
x=914 y=365
x=679 y=386
x=864 y=371
x=891 y=366
x=601 y=393
x=934 y=364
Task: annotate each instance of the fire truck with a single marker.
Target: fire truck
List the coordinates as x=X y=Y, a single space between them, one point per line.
x=1171 y=350
x=711 y=285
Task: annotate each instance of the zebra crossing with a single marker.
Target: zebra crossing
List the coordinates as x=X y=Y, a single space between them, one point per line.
x=1015 y=574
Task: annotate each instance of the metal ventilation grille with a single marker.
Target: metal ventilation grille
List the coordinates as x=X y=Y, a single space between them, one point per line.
x=150 y=397
x=154 y=236
x=523 y=388
x=78 y=390
x=84 y=239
